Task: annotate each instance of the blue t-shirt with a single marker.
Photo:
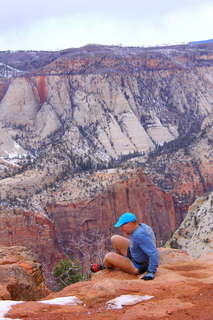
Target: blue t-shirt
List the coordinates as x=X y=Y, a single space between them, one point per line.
x=143 y=247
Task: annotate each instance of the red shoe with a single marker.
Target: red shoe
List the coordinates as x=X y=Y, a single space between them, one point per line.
x=97 y=267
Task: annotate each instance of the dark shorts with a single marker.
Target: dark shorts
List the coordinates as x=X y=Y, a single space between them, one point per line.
x=142 y=267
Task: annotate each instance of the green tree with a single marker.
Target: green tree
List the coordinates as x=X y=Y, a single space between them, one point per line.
x=174 y=244
x=67 y=272
x=196 y=222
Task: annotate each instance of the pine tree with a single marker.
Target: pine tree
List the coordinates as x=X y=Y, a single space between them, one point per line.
x=67 y=272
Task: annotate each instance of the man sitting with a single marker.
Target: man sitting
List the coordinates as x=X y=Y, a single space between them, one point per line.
x=134 y=255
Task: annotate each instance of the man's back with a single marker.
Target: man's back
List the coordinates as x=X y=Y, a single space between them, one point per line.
x=143 y=246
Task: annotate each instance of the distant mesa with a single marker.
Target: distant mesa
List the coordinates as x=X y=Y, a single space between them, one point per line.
x=201 y=41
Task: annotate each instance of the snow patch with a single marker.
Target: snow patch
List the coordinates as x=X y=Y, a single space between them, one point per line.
x=127 y=300
x=5 y=306
x=11 y=155
x=8 y=72
x=117 y=303
x=17 y=151
x=13 y=162
x=73 y=301
x=16 y=145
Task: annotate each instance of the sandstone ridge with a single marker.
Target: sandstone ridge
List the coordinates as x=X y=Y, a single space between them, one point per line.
x=21 y=276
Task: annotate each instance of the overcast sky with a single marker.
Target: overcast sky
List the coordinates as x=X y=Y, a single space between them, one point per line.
x=61 y=24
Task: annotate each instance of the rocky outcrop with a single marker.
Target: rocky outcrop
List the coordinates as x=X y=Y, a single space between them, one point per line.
x=21 y=276
x=117 y=295
x=9 y=148
x=33 y=231
x=195 y=233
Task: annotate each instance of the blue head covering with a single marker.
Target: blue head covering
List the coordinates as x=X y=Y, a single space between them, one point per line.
x=125 y=218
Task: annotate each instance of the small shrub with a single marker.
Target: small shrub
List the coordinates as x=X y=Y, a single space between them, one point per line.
x=206 y=240
x=174 y=244
x=67 y=272
x=196 y=222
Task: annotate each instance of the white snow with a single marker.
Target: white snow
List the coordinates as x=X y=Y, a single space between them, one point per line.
x=127 y=300
x=5 y=306
x=17 y=152
x=8 y=72
x=16 y=145
x=6 y=161
x=73 y=301
x=117 y=303
x=11 y=155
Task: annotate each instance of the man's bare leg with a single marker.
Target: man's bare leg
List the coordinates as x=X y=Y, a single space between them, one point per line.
x=114 y=259
x=119 y=259
x=120 y=244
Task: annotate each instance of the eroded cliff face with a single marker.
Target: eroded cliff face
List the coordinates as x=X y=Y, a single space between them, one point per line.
x=65 y=122
x=138 y=194
x=89 y=205
x=21 y=275
x=115 y=101
x=195 y=233
x=187 y=172
x=33 y=231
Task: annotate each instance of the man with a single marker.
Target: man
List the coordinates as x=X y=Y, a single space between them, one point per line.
x=134 y=255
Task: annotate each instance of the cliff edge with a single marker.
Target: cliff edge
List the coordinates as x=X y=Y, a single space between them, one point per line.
x=182 y=289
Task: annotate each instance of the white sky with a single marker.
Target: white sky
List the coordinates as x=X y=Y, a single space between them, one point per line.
x=62 y=24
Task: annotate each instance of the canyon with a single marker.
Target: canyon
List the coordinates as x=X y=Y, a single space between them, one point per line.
x=89 y=133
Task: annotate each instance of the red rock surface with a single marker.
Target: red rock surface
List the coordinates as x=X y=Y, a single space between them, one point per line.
x=188 y=180
x=70 y=64
x=137 y=195
x=34 y=231
x=182 y=289
x=47 y=236
x=42 y=88
x=21 y=276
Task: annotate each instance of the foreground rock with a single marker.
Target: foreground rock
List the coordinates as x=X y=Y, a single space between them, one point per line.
x=21 y=276
x=182 y=289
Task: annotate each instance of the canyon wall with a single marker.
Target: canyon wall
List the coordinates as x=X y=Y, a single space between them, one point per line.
x=138 y=195
x=49 y=233
x=65 y=122
x=33 y=231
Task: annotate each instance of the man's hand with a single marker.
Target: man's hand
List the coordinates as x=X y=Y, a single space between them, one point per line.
x=148 y=276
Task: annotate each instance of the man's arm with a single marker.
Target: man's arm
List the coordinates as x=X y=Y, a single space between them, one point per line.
x=151 y=251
